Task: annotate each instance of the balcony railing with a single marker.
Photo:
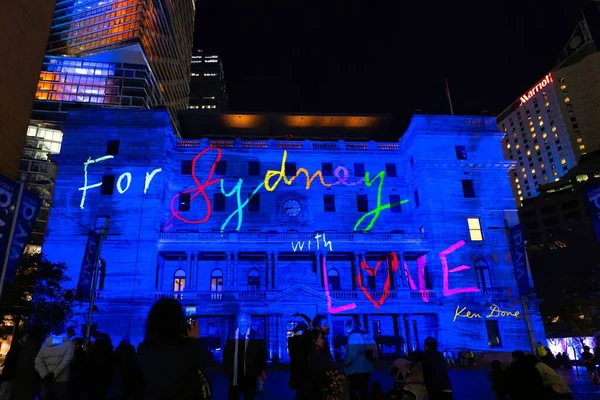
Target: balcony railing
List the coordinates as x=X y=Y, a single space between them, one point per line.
x=215 y=296
x=286 y=237
x=421 y=294
x=495 y=291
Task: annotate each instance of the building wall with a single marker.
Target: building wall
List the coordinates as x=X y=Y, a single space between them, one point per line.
x=405 y=274
x=24 y=26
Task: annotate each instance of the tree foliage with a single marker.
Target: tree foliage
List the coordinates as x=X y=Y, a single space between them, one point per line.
x=36 y=295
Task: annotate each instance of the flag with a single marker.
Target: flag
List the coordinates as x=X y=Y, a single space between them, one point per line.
x=519 y=259
x=26 y=217
x=88 y=268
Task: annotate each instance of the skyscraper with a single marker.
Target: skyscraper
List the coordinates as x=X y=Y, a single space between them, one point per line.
x=106 y=53
x=24 y=28
x=207 y=82
x=556 y=121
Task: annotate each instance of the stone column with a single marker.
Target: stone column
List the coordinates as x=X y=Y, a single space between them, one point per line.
x=198 y=284
x=402 y=280
x=228 y=273
x=271 y=336
x=320 y=268
x=234 y=262
x=275 y=267
x=268 y=256
x=188 y=274
x=355 y=270
x=396 y=332
x=391 y=273
x=191 y=274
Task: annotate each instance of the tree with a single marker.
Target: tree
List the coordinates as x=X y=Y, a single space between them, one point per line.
x=36 y=295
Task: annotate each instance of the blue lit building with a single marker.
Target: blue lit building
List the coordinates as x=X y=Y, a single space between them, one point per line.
x=408 y=235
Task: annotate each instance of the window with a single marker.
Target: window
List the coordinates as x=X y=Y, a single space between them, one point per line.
x=493 y=333
x=333 y=279
x=461 y=152
x=327 y=169
x=253 y=280
x=482 y=269
x=390 y=170
x=179 y=281
x=101 y=224
x=329 y=203
x=216 y=283
x=108 y=185
x=186 y=167
x=254 y=203
x=468 y=189
x=417 y=200
x=395 y=202
x=475 y=229
x=362 y=203
x=290 y=168
x=112 y=147
x=254 y=168
x=359 y=170
x=184 y=201
x=221 y=168
x=427 y=277
x=219 y=202
x=371 y=282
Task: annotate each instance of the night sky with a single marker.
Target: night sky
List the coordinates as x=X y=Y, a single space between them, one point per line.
x=383 y=56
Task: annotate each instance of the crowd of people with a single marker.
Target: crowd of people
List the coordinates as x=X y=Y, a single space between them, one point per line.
x=171 y=361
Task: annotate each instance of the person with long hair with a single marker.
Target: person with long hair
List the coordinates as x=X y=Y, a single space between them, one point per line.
x=172 y=358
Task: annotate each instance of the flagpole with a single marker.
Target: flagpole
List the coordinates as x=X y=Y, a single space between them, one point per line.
x=449 y=98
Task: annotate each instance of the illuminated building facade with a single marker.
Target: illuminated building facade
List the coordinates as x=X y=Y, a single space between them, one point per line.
x=408 y=235
x=207 y=82
x=24 y=28
x=557 y=121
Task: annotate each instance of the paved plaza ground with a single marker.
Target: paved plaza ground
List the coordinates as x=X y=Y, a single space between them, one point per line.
x=468 y=384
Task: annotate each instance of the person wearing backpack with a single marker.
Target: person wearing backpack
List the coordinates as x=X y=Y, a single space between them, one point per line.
x=360 y=361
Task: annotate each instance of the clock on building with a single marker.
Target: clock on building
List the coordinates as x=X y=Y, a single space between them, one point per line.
x=292 y=207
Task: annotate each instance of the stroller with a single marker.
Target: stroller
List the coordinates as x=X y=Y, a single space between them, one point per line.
x=408 y=379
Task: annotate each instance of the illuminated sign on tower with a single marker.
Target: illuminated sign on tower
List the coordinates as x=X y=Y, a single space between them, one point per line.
x=536 y=89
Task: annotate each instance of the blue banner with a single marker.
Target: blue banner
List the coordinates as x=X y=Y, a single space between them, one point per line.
x=519 y=259
x=9 y=191
x=88 y=268
x=28 y=212
x=593 y=196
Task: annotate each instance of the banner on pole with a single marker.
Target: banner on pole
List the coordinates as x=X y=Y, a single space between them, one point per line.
x=9 y=191
x=593 y=197
x=88 y=268
x=519 y=259
x=27 y=215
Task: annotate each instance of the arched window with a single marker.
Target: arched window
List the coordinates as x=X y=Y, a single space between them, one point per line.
x=253 y=280
x=216 y=284
x=484 y=278
x=333 y=278
x=101 y=273
x=179 y=281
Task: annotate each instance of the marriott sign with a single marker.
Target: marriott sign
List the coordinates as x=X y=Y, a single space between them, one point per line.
x=535 y=90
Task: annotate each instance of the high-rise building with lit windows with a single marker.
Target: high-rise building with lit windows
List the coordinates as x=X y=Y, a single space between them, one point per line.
x=557 y=120
x=105 y=53
x=207 y=82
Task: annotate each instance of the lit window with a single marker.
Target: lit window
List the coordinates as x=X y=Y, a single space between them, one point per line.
x=556 y=179
x=516 y=179
x=517 y=146
x=530 y=123
x=521 y=198
x=582 y=178
x=581 y=147
x=544 y=135
x=556 y=136
x=537 y=147
x=534 y=135
x=567 y=100
x=542 y=166
x=179 y=281
x=563 y=161
x=541 y=123
x=519 y=192
x=533 y=171
x=475 y=229
x=555 y=173
x=523 y=169
x=547 y=104
x=532 y=129
x=563 y=87
x=518 y=186
x=545 y=179
x=524 y=176
x=553 y=129
x=528 y=152
x=539 y=117
x=508 y=145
